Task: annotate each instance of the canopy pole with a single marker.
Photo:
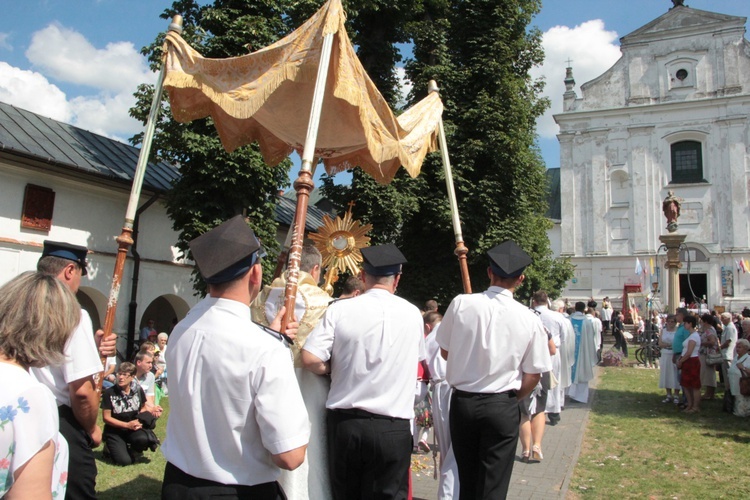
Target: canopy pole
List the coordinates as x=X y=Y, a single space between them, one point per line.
x=281 y=261
x=125 y=240
x=304 y=183
x=461 y=249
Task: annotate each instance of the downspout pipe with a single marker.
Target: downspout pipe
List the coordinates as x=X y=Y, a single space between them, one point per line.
x=133 y=305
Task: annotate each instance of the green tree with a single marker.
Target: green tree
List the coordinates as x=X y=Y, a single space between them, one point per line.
x=480 y=52
x=216 y=185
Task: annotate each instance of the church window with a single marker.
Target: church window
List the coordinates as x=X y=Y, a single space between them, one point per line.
x=681 y=74
x=687 y=162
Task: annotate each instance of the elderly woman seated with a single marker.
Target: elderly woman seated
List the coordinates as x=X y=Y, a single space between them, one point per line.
x=740 y=368
x=125 y=437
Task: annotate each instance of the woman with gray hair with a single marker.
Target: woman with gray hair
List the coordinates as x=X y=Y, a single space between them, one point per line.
x=38 y=314
x=740 y=368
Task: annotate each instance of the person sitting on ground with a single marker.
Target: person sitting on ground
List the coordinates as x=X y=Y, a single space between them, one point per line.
x=143 y=363
x=156 y=368
x=430 y=306
x=690 y=365
x=109 y=372
x=146 y=330
x=161 y=379
x=38 y=314
x=125 y=438
x=148 y=347
x=740 y=368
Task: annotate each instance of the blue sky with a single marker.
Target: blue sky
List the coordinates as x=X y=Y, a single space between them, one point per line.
x=78 y=61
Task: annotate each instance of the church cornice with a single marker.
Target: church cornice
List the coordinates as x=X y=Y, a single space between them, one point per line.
x=681 y=22
x=661 y=107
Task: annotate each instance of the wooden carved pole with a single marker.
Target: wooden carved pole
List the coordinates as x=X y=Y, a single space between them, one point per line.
x=304 y=183
x=281 y=261
x=125 y=240
x=461 y=249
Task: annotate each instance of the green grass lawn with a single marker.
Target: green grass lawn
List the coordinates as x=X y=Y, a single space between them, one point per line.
x=635 y=447
x=138 y=481
x=638 y=447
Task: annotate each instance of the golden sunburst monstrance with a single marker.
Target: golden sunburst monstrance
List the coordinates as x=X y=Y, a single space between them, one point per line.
x=339 y=242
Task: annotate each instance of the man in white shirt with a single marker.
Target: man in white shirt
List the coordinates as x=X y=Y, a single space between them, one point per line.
x=236 y=412
x=496 y=350
x=728 y=342
x=73 y=383
x=371 y=345
x=144 y=361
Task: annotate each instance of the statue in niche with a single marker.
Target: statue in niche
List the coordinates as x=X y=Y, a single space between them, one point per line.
x=671 y=208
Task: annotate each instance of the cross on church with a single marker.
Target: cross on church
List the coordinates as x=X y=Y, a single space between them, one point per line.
x=569 y=61
x=351 y=206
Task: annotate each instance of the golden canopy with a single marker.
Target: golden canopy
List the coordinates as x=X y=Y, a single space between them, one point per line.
x=266 y=96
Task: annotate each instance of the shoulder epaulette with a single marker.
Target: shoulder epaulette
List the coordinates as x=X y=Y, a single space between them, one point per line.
x=273 y=333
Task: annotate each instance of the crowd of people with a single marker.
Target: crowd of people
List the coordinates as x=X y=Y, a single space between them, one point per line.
x=701 y=353
x=320 y=403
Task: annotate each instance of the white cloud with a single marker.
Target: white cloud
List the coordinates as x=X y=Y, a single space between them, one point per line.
x=66 y=55
x=32 y=91
x=106 y=115
x=592 y=49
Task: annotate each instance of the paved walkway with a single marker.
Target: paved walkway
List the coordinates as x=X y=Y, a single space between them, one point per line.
x=548 y=479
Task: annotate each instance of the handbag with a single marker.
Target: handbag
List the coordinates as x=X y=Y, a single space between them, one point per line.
x=745 y=386
x=714 y=358
x=549 y=381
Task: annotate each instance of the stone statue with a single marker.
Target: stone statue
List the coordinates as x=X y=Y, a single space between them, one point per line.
x=678 y=2
x=671 y=208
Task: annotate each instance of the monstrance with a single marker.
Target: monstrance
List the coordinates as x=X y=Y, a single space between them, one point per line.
x=339 y=241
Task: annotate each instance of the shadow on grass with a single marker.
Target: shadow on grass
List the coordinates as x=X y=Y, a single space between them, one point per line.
x=632 y=394
x=141 y=487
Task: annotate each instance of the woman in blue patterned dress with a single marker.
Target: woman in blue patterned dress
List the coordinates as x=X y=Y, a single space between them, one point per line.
x=37 y=316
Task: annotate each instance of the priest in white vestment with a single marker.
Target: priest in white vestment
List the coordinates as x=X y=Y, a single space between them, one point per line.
x=586 y=335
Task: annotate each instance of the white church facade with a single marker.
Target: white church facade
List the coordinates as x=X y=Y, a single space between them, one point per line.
x=670 y=115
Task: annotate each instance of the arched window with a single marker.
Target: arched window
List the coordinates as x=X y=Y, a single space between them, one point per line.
x=687 y=162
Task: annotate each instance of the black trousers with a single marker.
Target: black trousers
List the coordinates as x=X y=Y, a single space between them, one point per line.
x=179 y=485
x=120 y=443
x=369 y=455
x=620 y=342
x=484 y=435
x=81 y=462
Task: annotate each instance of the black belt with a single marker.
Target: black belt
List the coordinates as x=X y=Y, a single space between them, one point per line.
x=463 y=394
x=356 y=412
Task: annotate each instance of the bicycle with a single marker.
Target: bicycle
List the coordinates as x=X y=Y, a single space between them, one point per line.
x=649 y=352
